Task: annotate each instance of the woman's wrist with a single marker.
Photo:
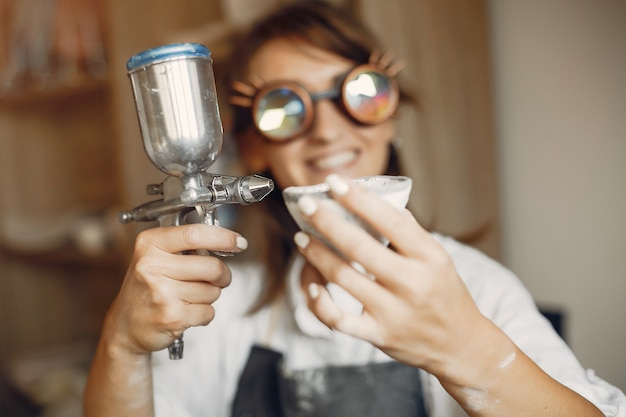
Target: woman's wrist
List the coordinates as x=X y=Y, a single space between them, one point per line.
x=115 y=340
x=120 y=381
x=481 y=360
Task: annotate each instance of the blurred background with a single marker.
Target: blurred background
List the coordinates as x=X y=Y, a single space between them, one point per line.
x=518 y=148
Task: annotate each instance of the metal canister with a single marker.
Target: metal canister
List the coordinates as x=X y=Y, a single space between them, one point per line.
x=175 y=95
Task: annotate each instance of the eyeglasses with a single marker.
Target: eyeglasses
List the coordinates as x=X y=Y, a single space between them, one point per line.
x=284 y=110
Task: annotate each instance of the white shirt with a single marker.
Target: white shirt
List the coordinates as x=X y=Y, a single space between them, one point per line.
x=204 y=382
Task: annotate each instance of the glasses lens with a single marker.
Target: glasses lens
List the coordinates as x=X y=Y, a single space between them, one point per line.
x=280 y=114
x=369 y=96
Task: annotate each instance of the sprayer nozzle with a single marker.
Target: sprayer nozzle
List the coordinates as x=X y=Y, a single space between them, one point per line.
x=255 y=188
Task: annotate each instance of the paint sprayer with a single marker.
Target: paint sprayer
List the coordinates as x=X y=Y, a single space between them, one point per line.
x=179 y=119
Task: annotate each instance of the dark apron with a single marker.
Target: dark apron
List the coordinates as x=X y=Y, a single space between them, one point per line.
x=389 y=389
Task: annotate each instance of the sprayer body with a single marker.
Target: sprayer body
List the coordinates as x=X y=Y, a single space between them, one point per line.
x=181 y=129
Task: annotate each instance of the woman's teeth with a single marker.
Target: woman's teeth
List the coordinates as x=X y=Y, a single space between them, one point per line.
x=335 y=160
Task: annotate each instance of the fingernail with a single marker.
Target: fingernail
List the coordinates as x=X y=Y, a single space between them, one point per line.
x=337 y=184
x=307 y=205
x=314 y=290
x=301 y=239
x=242 y=243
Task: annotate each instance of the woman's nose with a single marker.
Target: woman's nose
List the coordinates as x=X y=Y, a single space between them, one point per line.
x=329 y=123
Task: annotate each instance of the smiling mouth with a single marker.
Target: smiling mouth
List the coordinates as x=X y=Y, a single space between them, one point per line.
x=335 y=161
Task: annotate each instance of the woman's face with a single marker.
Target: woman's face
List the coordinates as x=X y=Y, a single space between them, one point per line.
x=334 y=144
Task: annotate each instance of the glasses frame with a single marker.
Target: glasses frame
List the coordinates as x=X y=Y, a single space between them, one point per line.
x=338 y=95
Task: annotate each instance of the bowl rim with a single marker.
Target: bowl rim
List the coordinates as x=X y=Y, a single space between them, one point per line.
x=323 y=188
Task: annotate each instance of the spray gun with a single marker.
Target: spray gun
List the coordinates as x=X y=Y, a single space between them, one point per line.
x=177 y=108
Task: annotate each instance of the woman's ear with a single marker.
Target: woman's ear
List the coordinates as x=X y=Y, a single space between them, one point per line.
x=250 y=148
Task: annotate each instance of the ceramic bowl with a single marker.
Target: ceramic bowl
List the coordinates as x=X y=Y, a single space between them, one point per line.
x=395 y=189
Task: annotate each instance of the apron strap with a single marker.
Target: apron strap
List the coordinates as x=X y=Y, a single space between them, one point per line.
x=257 y=392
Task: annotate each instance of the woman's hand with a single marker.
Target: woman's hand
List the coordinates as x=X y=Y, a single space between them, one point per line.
x=165 y=292
x=418 y=310
x=415 y=306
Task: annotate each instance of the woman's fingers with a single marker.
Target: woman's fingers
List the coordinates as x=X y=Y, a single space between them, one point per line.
x=189 y=279
x=336 y=270
x=361 y=326
x=198 y=293
x=165 y=291
x=177 y=318
x=397 y=225
x=352 y=241
x=158 y=253
x=176 y=239
x=328 y=311
x=187 y=268
x=412 y=245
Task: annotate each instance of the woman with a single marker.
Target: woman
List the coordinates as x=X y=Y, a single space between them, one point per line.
x=441 y=330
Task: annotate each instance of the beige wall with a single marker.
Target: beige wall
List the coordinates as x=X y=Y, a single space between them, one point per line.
x=560 y=96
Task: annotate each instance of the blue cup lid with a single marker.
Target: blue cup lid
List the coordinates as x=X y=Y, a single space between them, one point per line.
x=166 y=53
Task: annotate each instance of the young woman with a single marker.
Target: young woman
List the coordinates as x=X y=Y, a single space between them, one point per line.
x=440 y=329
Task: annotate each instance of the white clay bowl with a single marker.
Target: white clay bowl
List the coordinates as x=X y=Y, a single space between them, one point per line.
x=394 y=189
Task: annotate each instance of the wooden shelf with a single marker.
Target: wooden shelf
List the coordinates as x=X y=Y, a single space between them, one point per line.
x=65 y=257
x=73 y=88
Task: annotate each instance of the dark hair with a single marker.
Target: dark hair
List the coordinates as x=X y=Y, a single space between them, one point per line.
x=327 y=27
